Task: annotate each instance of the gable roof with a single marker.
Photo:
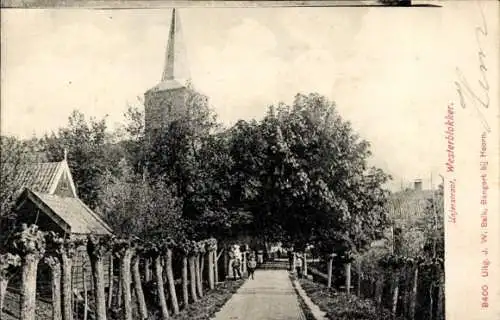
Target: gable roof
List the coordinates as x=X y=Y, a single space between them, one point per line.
x=71 y=214
x=44 y=177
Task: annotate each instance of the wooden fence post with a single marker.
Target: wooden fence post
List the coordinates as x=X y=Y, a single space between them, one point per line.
x=348 y=277
x=330 y=270
x=395 y=291
x=305 y=264
x=111 y=278
x=85 y=293
x=147 y=269
x=359 y=278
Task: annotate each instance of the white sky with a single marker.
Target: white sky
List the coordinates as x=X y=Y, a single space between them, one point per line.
x=390 y=70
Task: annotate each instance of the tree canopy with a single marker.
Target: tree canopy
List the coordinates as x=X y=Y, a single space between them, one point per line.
x=298 y=175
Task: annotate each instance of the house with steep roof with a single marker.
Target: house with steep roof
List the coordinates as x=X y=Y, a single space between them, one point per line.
x=48 y=197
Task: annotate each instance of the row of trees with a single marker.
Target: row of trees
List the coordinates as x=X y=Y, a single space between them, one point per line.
x=29 y=246
x=300 y=175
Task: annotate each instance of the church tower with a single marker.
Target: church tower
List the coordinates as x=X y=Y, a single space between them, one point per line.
x=166 y=101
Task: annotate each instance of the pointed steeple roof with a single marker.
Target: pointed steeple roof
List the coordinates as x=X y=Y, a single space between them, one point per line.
x=176 y=70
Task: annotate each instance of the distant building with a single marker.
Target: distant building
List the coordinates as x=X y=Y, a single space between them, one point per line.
x=409 y=204
x=166 y=100
x=405 y=206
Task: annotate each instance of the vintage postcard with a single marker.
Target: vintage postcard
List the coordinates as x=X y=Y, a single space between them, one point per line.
x=250 y=160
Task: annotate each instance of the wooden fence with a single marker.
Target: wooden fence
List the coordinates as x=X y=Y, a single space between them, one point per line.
x=411 y=290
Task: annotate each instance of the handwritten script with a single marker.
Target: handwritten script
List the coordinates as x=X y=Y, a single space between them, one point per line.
x=480 y=99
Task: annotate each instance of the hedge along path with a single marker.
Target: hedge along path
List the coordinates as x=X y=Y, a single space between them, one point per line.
x=30 y=245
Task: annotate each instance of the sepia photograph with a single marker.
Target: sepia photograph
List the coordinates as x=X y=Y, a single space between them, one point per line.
x=274 y=160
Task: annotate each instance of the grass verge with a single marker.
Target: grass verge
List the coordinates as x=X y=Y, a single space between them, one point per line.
x=210 y=303
x=307 y=312
x=341 y=306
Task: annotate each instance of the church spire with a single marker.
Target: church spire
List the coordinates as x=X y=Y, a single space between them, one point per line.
x=176 y=66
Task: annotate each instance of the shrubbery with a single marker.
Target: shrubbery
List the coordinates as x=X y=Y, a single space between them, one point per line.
x=341 y=306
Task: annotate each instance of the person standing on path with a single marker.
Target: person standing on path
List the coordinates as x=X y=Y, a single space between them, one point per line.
x=252 y=264
x=236 y=268
x=298 y=265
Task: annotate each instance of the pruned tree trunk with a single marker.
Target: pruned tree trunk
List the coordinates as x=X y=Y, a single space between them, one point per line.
x=211 y=283
x=330 y=269
x=348 y=277
x=55 y=269
x=171 y=282
x=192 y=277
x=159 y=284
x=111 y=279
x=199 y=287
x=98 y=278
x=185 y=295
x=139 y=293
x=4 y=282
x=125 y=279
x=413 y=295
x=67 y=289
x=28 y=286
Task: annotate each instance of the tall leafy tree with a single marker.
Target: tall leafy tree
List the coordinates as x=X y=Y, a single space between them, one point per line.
x=316 y=184
x=91 y=152
x=14 y=155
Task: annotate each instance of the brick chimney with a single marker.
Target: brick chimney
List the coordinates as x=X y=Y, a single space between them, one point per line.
x=417 y=185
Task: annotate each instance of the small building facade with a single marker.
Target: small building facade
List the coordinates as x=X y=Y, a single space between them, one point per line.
x=48 y=198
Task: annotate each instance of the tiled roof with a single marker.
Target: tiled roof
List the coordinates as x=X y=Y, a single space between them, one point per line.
x=39 y=177
x=80 y=218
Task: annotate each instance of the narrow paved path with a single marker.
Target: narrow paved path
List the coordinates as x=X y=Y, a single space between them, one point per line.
x=270 y=296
